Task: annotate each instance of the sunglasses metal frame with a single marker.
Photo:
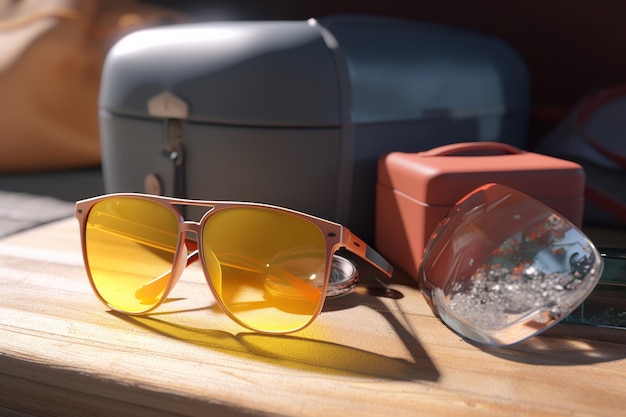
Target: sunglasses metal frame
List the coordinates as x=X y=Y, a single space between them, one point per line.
x=187 y=250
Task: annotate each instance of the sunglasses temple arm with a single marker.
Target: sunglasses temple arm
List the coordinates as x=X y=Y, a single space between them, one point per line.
x=357 y=246
x=148 y=290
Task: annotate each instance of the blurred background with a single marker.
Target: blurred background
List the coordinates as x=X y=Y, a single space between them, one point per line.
x=571 y=47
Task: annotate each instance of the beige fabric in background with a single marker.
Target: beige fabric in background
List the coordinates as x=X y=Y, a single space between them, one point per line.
x=51 y=55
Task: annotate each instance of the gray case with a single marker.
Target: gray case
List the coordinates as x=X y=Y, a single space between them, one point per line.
x=297 y=113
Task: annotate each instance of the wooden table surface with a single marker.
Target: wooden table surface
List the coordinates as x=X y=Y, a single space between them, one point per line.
x=62 y=353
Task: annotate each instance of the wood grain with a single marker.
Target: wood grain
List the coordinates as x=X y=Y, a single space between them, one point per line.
x=62 y=353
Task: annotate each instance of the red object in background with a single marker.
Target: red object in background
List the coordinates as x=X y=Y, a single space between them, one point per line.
x=415 y=191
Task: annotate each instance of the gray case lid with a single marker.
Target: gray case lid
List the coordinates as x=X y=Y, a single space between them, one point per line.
x=406 y=70
x=235 y=73
x=316 y=73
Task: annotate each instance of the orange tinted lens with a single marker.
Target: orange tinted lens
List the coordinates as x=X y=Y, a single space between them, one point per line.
x=268 y=267
x=130 y=245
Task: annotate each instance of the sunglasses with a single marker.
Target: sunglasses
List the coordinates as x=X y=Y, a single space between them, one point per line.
x=503 y=267
x=269 y=268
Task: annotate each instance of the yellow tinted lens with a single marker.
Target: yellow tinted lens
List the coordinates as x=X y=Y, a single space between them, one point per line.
x=268 y=267
x=130 y=245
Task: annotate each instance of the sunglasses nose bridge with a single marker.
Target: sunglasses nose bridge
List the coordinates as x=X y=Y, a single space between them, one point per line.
x=189 y=234
x=189 y=227
x=187 y=249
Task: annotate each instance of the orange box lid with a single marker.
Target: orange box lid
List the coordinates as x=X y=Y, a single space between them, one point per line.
x=441 y=176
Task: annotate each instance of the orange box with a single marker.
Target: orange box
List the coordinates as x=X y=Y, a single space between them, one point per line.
x=415 y=191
